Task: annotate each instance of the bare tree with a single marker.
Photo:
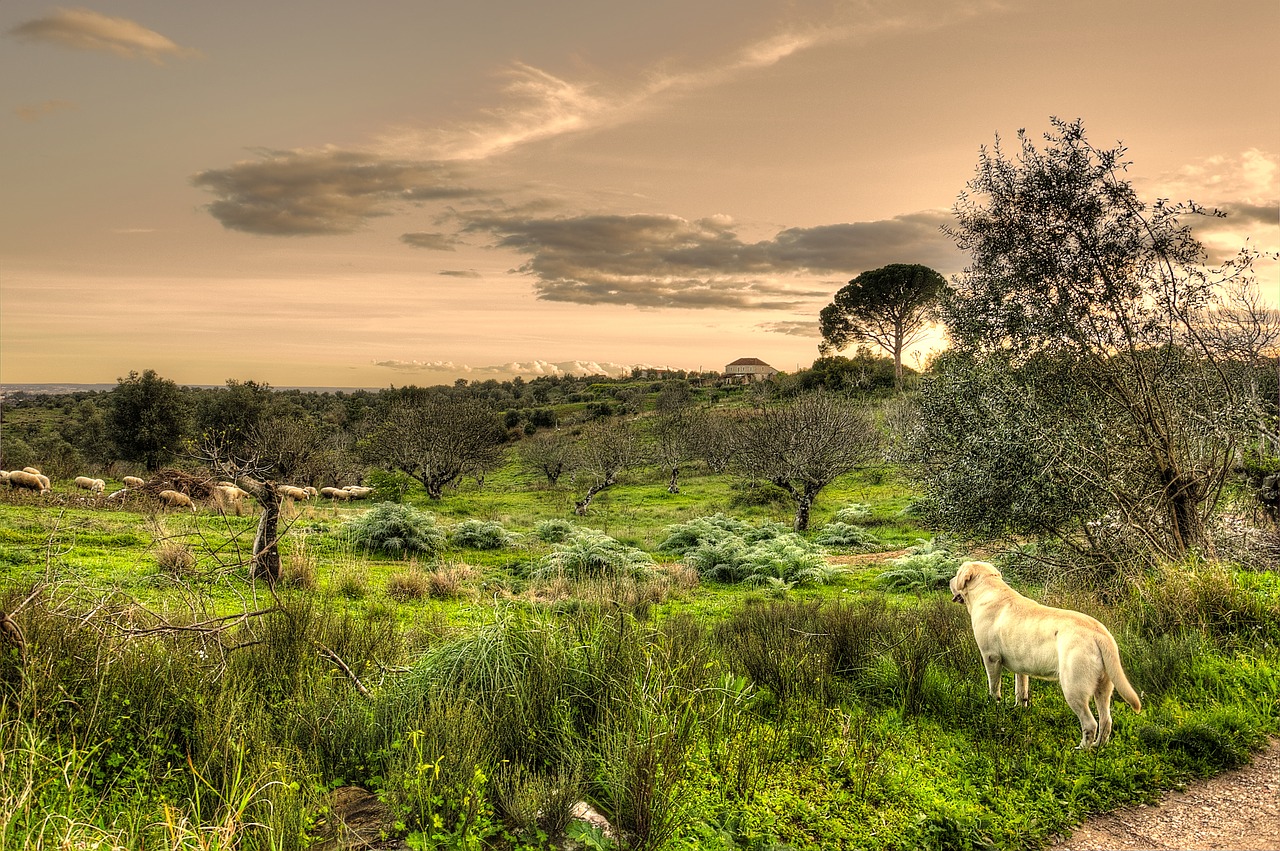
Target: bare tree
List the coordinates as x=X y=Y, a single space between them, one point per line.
x=278 y=451
x=804 y=445
x=438 y=439
x=605 y=449
x=548 y=453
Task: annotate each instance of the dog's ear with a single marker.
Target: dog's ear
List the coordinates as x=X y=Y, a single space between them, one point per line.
x=963 y=575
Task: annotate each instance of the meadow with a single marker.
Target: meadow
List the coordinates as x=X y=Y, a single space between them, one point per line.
x=701 y=683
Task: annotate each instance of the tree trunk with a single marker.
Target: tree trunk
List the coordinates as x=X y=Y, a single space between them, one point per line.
x=580 y=507
x=674 y=487
x=266 y=552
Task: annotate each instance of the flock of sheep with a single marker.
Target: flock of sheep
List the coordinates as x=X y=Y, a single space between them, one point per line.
x=30 y=478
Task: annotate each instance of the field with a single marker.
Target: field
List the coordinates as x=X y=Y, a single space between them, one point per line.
x=158 y=699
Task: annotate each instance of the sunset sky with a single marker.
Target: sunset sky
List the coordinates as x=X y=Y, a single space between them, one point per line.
x=343 y=194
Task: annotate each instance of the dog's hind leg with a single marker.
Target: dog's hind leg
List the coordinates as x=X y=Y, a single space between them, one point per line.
x=1022 y=689
x=1078 y=700
x=1102 y=696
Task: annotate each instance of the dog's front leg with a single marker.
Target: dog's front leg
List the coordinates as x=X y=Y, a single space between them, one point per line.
x=992 y=663
x=1022 y=689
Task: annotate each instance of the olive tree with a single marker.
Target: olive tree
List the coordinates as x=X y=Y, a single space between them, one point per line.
x=804 y=445
x=1086 y=394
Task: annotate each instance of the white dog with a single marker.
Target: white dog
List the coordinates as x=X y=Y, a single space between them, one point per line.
x=1034 y=640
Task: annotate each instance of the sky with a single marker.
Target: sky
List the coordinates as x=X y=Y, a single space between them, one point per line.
x=332 y=194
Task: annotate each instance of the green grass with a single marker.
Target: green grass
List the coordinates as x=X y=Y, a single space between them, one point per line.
x=699 y=716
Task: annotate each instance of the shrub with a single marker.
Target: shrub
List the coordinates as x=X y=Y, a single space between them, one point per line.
x=789 y=558
x=175 y=558
x=481 y=535
x=683 y=537
x=854 y=512
x=590 y=554
x=760 y=495
x=389 y=485
x=554 y=531
x=396 y=529
x=926 y=567
x=845 y=535
x=412 y=584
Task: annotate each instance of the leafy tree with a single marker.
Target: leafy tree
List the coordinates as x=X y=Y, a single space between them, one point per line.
x=231 y=414
x=804 y=445
x=890 y=306
x=438 y=439
x=147 y=418
x=1088 y=396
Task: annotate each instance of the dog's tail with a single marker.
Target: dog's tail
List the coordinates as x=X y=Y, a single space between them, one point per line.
x=1111 y=661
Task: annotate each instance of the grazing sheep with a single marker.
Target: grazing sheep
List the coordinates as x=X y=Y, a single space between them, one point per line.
x=335 y=493
x=293 y=492
x=175 y=499
x=32 y=470
x=231 y=492
x=312 y=492
x=95 y=485
x=133 y=482
x=28 y=481
x=4 y=477
x=358 y=491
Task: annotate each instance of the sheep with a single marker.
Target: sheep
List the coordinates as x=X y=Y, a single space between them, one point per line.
x=133 y=482
x=32 y=470
x=311 y=491
x=89 y=484
x=231 y=492
x=28 y=481
x=293 y=492
x=335 y=493
x=358 y=491
x=177 y=500
x=4 y=477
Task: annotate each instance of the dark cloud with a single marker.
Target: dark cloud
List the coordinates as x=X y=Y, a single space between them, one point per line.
x=460 y=273
x=432 y=241
x=667 y=261
x=83 y=29
x=297 y=193
x=1251 y=215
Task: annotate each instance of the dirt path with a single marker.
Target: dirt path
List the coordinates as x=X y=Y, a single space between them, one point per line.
x=1238 y=810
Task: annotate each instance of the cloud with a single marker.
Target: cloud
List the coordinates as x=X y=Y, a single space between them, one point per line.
x=330 y=191
x=793 y=328
x=36 y=111
x=460 y=273
x=523 y=368
x=535 y=104
x=84 y=29
x=653 y=260
x=432 y=241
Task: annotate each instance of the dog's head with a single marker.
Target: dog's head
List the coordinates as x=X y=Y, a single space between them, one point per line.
x=968 y=573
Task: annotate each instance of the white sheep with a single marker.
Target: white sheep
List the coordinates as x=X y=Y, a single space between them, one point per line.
x=231 y=492
x=311 y=491
x=4 y=477
x=32 y=470
x=177 y=500
x=335 y=493
x=133 y=482
x=90 y=484
x=293 y=492
x=358 y=491
x=28 y=481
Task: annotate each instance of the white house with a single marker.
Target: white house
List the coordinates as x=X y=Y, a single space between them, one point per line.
x=747 y=370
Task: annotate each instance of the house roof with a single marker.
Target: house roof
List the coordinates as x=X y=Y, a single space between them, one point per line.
x=749 y=362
